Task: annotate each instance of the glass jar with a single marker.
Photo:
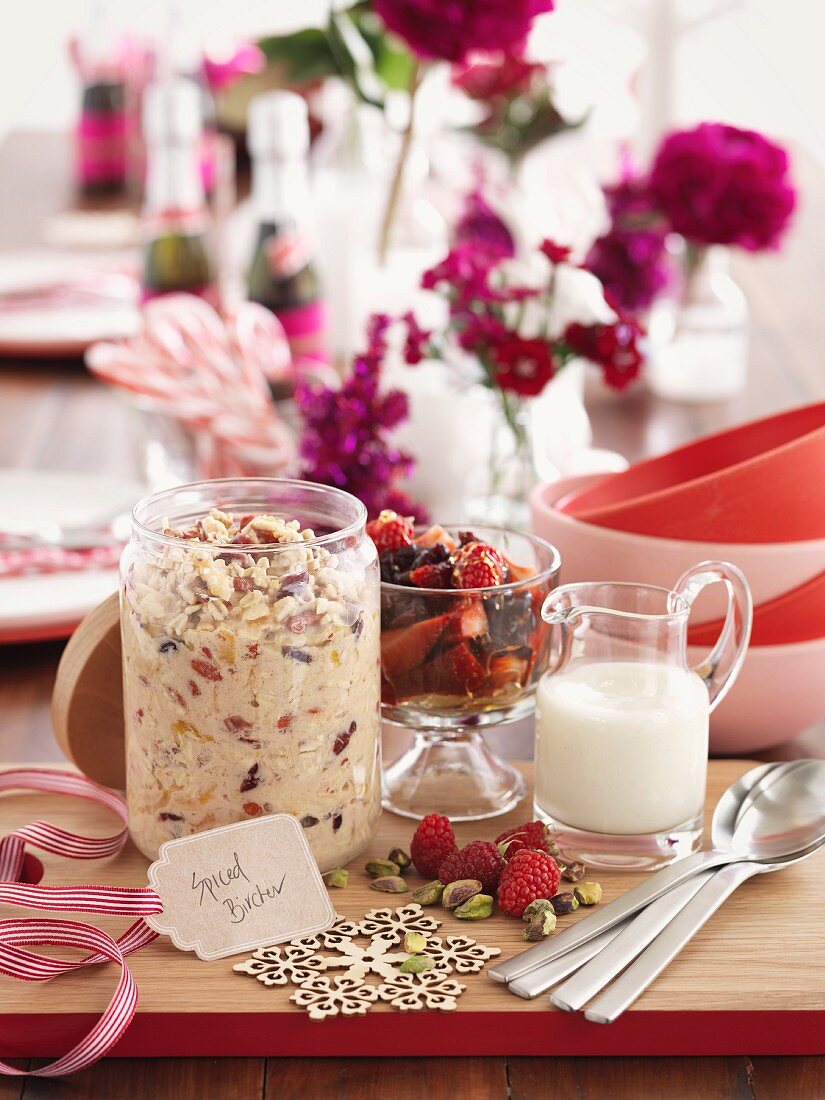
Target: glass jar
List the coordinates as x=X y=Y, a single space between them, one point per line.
x=698 y=342
x=251 y=630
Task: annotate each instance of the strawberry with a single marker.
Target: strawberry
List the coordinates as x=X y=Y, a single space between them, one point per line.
x=408 y=647
x=529 y=875
x=432 y=576
x=391 y=531
x=469 y=621
x=510 y=669
x=457 y=671
x=435 y=535
x=477 y=565
x=432 y=842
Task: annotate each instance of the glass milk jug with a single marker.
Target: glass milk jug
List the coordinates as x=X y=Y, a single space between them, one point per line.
x=622 y=720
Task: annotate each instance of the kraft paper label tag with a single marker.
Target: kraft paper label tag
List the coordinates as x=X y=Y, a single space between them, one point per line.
x=239 y=887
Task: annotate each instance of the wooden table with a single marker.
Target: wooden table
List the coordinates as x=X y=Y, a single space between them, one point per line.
x=52 y=415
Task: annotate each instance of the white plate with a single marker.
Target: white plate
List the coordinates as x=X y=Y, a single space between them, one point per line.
x=58 y=331
x=51 y=605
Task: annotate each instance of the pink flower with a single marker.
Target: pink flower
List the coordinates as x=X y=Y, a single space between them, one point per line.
x=480 y=226
x=415 y=344
x=450 y=30
x=523 y=366
x=613 y=347
x=721 y=185
x=222 y=71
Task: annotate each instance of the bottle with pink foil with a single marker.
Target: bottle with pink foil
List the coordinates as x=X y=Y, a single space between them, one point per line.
x=283 y=275
x=176 y=251
x=102 y=129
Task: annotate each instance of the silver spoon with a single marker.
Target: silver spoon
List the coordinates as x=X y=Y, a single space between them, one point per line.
x=613 y=950
x=765 y=845
x=635 y=980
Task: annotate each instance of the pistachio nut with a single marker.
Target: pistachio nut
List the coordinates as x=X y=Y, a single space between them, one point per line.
x=428 y=894
x=541 y=924
x=377 y=868
x=390 y=884
x=564 y=903
x=417 y=964
x=540 y=905
x=399 y=856
x=456 y=893
x=573 y=872
x=339 y=877
x=478 y=907
x=414 y=943
x=588 y=893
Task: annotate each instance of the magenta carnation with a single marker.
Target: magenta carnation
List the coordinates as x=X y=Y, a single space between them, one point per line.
x=449 y=30
x=721 y=185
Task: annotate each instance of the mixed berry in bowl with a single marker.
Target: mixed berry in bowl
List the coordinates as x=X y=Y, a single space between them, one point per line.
x=461 y=626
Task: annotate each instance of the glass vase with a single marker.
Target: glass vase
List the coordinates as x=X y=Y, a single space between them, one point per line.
x=699 y=339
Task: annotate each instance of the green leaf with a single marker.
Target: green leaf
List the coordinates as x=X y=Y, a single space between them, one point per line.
x=304 y=55
x=393 y=62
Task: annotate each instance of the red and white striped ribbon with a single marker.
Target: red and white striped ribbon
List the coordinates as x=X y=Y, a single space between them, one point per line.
x=18 y=935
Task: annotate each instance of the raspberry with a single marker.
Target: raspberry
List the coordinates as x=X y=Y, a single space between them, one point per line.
x=529 y=875
x=480 y=859
x=533 y=834
x=432 y=576
x=477 y=565
x=391 y=531
x=434 y=840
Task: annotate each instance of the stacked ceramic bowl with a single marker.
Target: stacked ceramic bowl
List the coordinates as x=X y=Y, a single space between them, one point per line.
x=753 y=495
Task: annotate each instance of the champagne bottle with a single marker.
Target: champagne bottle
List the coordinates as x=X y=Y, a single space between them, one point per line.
x=176 y=255
x=101 y=132
x=283 y=275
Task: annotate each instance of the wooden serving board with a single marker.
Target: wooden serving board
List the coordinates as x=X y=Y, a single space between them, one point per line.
x=753 y=980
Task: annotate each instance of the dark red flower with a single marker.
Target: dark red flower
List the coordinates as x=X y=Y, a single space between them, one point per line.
x=721 y=185
x=504 y=76
x=523 y=366
x=417 y=338
x=481 y=227
x=615 y=348
x=450 y=30
x=555 y=253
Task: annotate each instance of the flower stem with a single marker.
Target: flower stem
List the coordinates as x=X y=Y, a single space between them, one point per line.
x=400 y=164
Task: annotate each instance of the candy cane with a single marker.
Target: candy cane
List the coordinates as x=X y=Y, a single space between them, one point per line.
x=16 y=936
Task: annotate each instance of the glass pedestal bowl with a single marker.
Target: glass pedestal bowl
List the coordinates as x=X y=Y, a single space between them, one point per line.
x=455 y=661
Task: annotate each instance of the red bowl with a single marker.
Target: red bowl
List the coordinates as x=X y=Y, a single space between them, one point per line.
x=759 y=482
x=796 y=616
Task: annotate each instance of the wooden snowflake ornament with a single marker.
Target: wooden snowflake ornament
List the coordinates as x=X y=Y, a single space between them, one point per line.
x=307 y=962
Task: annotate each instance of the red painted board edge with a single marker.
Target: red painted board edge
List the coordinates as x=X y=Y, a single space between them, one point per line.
x=258 y=1034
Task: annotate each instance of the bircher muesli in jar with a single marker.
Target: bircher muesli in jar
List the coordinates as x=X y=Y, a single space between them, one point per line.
x=250 y=624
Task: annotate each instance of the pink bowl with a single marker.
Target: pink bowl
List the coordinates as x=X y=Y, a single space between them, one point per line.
x=591 y=553
x=779 y=693
x=753 y=483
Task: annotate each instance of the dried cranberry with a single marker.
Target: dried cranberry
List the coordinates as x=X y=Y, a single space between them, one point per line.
x=252 y=808
x=166 y=816
x=285 y=721
x=337 y=821
x=243 y=584
x=193 y=687
x=206 y=670
x=168 y=646
x=234 y=723
x=358 y=625
x=251 y=779
x=343 y=739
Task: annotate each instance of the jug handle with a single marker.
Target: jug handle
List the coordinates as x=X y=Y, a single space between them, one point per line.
x=721 y=666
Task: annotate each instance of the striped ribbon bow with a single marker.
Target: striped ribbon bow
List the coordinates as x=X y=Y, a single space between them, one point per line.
x=18 y=935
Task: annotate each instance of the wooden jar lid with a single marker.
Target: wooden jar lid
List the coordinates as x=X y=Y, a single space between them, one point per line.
x=87 y=702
